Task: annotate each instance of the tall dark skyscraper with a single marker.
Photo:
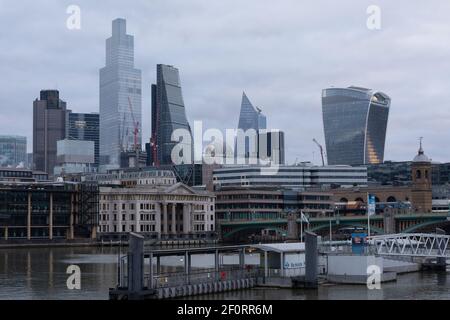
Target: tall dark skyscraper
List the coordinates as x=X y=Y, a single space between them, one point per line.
x=49 y=126
x=84 y=126
x=120 y=97
x=355 y=122
x=168 y=114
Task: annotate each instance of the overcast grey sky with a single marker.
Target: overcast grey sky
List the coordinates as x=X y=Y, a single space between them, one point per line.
x=282 y=53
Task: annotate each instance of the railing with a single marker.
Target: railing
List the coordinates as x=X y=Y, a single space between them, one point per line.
x=166 y=280
x=203 y=276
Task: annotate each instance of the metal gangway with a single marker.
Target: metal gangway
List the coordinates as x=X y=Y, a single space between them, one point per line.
x=411 y=245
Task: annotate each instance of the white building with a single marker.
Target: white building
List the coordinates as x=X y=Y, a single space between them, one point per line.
x=298 y=176
x=152 y=202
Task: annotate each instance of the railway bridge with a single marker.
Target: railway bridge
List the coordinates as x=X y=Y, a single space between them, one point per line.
x=238 y=230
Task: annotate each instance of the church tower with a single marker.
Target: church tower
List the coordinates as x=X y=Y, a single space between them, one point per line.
x=421 y=196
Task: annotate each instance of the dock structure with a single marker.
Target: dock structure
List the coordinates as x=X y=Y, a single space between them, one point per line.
x=141 y=277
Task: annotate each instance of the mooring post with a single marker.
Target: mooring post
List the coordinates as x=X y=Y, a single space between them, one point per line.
x=135 y=264
x=150 y=280
x=216 y=263
x=186 y=266
x=311 y=260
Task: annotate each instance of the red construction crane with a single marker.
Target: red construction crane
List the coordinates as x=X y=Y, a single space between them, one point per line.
x=135 y=132
x=135 y=125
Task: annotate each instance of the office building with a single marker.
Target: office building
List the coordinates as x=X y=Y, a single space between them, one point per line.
x=293 y=177
x=120 y=98
x=22 y=175
x=271 y=147
x=251 y=117
x=47 y=211
x=251 y=121
x=168 y=115
x=84 y=127
x=13 y=151
x=257 y=203
x=49 y=126
x=75 y=156
x=355 y=122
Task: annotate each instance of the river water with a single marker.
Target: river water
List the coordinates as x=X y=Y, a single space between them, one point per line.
x=40 y=273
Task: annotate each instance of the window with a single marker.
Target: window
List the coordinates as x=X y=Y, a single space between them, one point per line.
x=418 y=174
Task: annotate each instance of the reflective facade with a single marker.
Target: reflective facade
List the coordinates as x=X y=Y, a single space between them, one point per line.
x=355 y=122
x=250 y=118
x=86 y=127
x=168 y=114
x=119 y=83
x=13 y=151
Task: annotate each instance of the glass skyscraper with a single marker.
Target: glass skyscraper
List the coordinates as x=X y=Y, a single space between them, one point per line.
x=355 y=122
x=84 y=126
x=120 y=83
x=168 y=114
x=13 y=151
x=251 y=117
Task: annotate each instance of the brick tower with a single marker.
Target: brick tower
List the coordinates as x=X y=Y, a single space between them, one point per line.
x=421 y=187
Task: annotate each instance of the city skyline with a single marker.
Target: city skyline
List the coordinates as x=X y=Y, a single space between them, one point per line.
x=287 y=81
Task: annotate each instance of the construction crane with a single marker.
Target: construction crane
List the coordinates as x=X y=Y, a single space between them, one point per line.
x=321 y=151
x=122 y=133
x=135 y=131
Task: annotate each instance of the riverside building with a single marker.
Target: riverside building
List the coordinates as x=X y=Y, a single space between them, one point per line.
x=297 y=177
x=153 y=203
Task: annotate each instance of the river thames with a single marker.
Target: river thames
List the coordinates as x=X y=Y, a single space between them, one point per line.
x=40 y=273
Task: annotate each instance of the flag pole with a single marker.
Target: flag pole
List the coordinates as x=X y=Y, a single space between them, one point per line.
x=301 y=226
x=368 y=216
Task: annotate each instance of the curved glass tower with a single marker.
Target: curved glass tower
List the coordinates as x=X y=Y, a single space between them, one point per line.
x=355 y=122
x=168 y=113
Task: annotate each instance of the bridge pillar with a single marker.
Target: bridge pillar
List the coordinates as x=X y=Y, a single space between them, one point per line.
x=241 y=258
x=311 y=260
x=135 y=264
x=389 y=222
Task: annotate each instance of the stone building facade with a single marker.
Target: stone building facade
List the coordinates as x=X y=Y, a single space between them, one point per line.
x=154 y=204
